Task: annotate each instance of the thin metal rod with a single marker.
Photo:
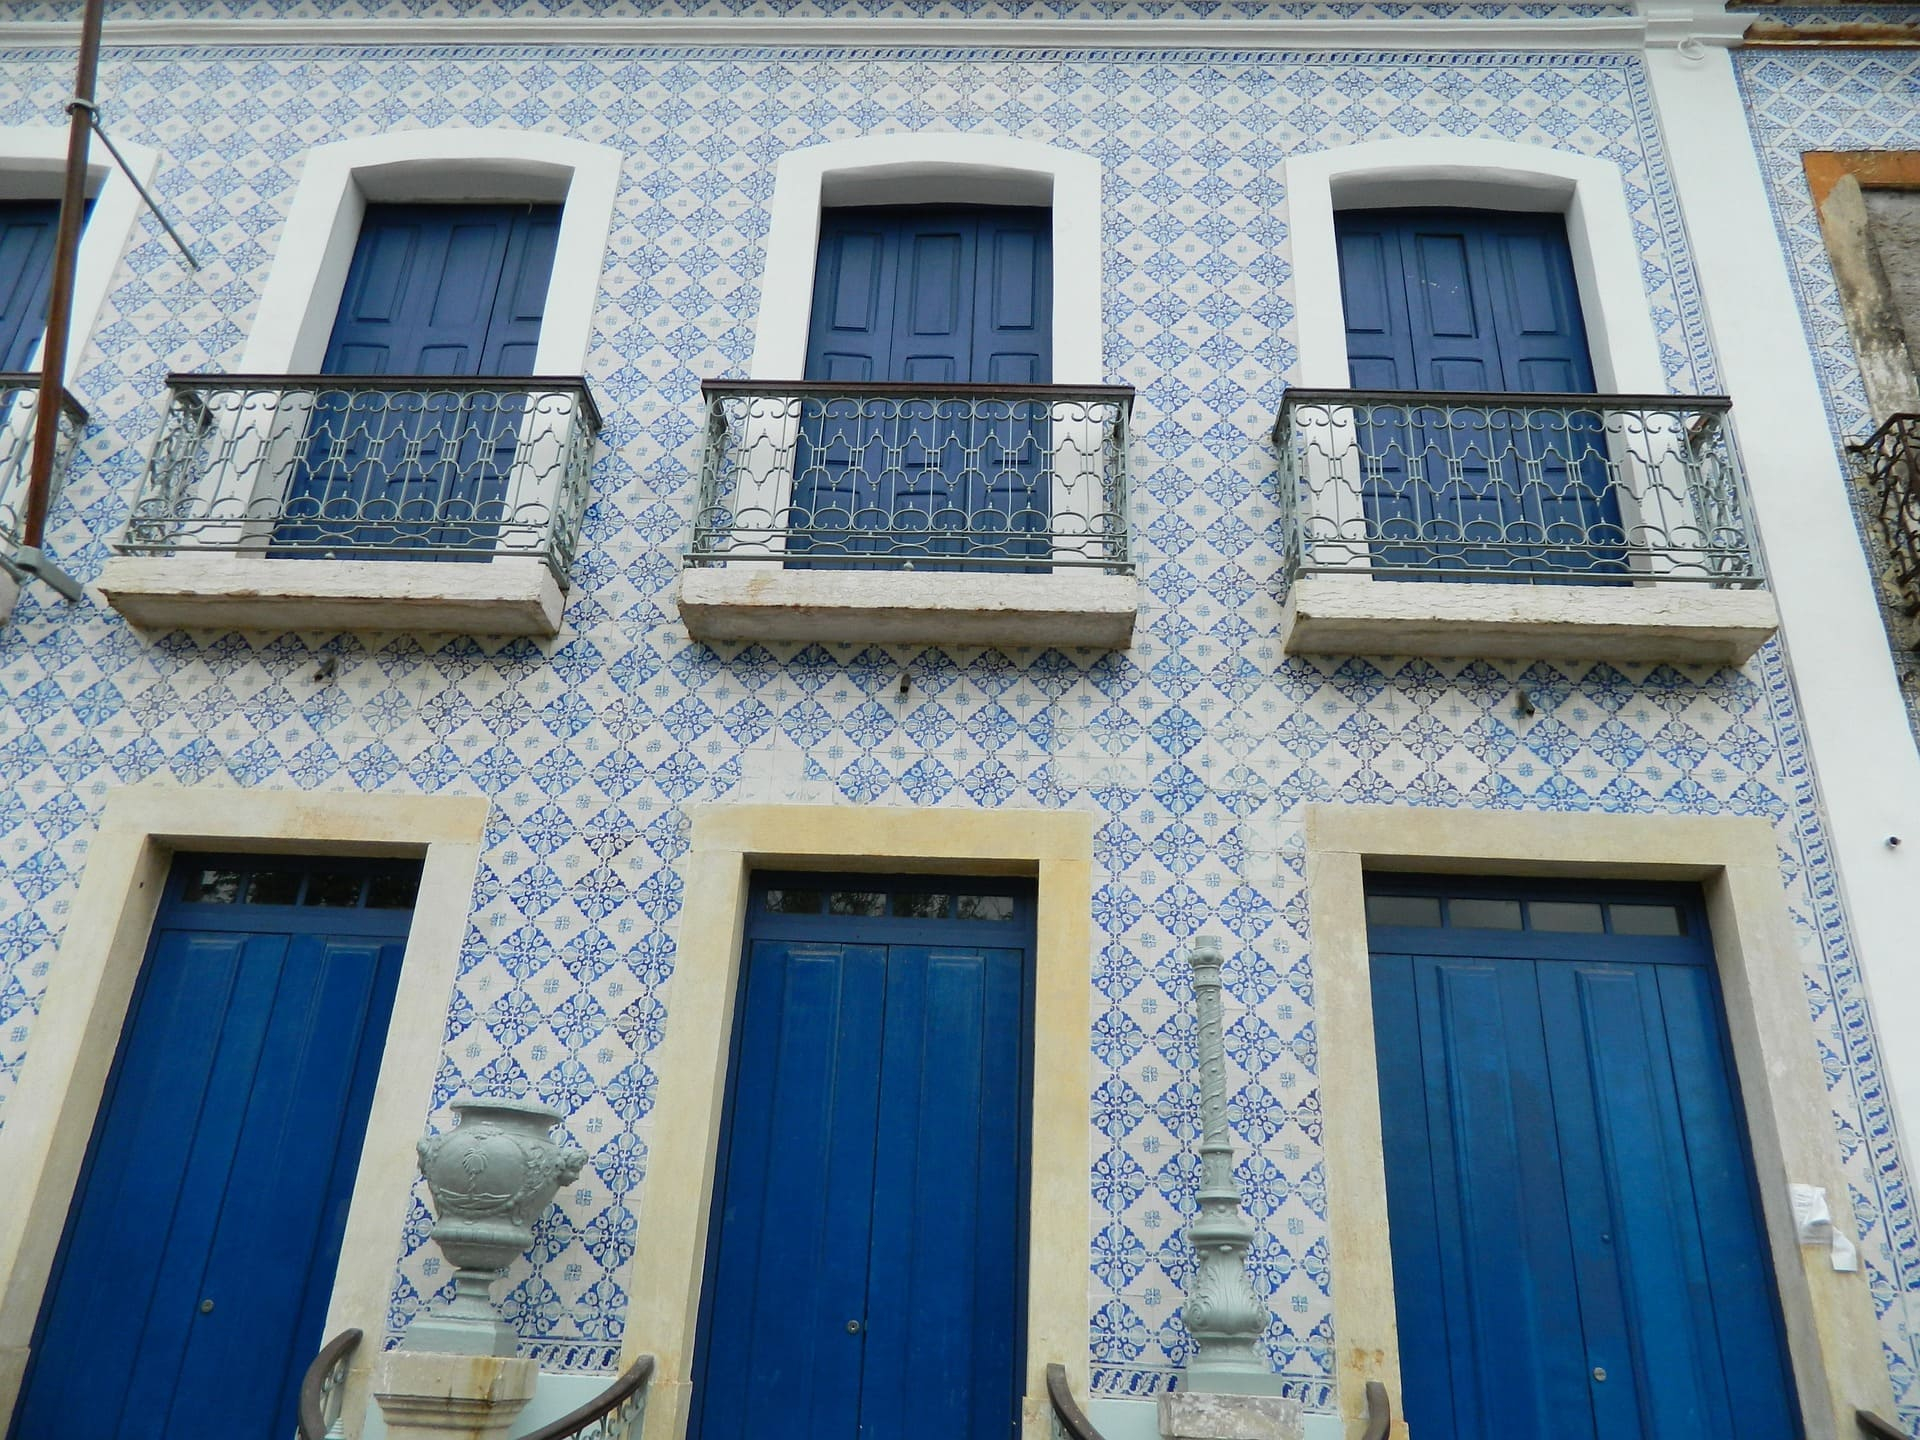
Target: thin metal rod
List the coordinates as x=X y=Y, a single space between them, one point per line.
x=66 y=248
x=159 y=212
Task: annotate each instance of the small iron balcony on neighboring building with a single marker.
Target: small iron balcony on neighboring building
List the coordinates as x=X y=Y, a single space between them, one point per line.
x=1888 y=466
x=1574 y=526
x=964 y=513
x=441 y=502
x=19 y=404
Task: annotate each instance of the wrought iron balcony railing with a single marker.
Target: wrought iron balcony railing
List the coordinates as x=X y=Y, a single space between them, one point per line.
x=1888 y=464
x=1530 y=489
x=369 y=467
x=1021 y=478
x=19 y=403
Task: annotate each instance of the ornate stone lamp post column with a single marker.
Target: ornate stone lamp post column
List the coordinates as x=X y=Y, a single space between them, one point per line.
x=1228 y=1390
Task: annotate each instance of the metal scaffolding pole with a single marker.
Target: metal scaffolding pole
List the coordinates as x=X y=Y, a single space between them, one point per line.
x=53 y=355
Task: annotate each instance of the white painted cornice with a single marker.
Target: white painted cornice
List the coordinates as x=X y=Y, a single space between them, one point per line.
x=1605 y=33
x=1690 y=26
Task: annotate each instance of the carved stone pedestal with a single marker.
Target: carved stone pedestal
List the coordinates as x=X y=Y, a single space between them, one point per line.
x=424 y=1396
x=1185 y=1415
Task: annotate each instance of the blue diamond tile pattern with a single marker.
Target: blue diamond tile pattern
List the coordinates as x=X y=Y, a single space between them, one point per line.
x=1193 y=752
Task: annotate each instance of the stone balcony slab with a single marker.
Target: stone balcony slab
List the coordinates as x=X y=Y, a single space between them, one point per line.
x=502 y=597
x=1677 y=623
x=764 y=602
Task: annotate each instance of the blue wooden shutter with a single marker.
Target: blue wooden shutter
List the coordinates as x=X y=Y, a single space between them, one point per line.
x=1474 y=300
x=225 y=1152
x=27 y=229
x=930 y=297
x=445 y=290
x=1575 y=1232
x=796 y=1201
x=454 y=290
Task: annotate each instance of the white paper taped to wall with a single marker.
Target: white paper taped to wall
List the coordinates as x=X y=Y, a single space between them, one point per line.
x=1813 y=1225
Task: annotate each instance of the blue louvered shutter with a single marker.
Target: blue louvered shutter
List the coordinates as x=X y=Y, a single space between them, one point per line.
x=27 y=229
x=931 y=297
x=1473 y=300
x=453 y=290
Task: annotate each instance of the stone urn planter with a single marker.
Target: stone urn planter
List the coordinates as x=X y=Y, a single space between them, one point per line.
x=490 y=1176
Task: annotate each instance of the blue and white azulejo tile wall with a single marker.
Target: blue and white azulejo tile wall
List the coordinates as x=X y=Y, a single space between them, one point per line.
x=1194 y=751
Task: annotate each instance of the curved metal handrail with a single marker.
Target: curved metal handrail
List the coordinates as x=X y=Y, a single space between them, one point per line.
x=1878 y=1427
x=619 y=1401
x=324 y=1385
x=1379 y=1412
x=1070 y=1420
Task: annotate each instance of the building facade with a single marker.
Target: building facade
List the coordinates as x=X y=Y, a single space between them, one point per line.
x=551 y=815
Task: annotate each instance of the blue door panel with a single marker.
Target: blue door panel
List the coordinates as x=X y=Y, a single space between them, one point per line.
x=1496 y=1179
x=1568 y=1185
x=864 y=1266
x=1610 y=1083
x=1738 y=1288
x=929 y=297
x=796 y=1201
x=433 y=290
x=942 y=1293
x=1421 y=1300
x=183 y=1274
x=1465 y=300
x=27 y=229
x=513 y=333
x=294 y=1128
x=940 y=260
x=125 y=1213
x=226 y=1149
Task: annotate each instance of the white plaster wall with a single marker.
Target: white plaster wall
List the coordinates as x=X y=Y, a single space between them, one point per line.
x=1856 y=718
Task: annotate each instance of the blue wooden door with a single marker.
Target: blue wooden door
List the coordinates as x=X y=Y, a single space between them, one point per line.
x=930 y=298
x=434 y=290
x=200 y=1250
x=1482 y=301
x=864 y=1275
x=1577 y=1245
x=26 y=263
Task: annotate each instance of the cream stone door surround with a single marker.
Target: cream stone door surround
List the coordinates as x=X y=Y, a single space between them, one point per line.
x=50 y=1119
x=728 y=843
x=1832 y=1335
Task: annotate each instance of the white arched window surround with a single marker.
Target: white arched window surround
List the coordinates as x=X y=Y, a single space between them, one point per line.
x=933 y=169
x=303 y=291
x=309 y=274
x=33 y=163
x=1487 y=175
x=1475 y=174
